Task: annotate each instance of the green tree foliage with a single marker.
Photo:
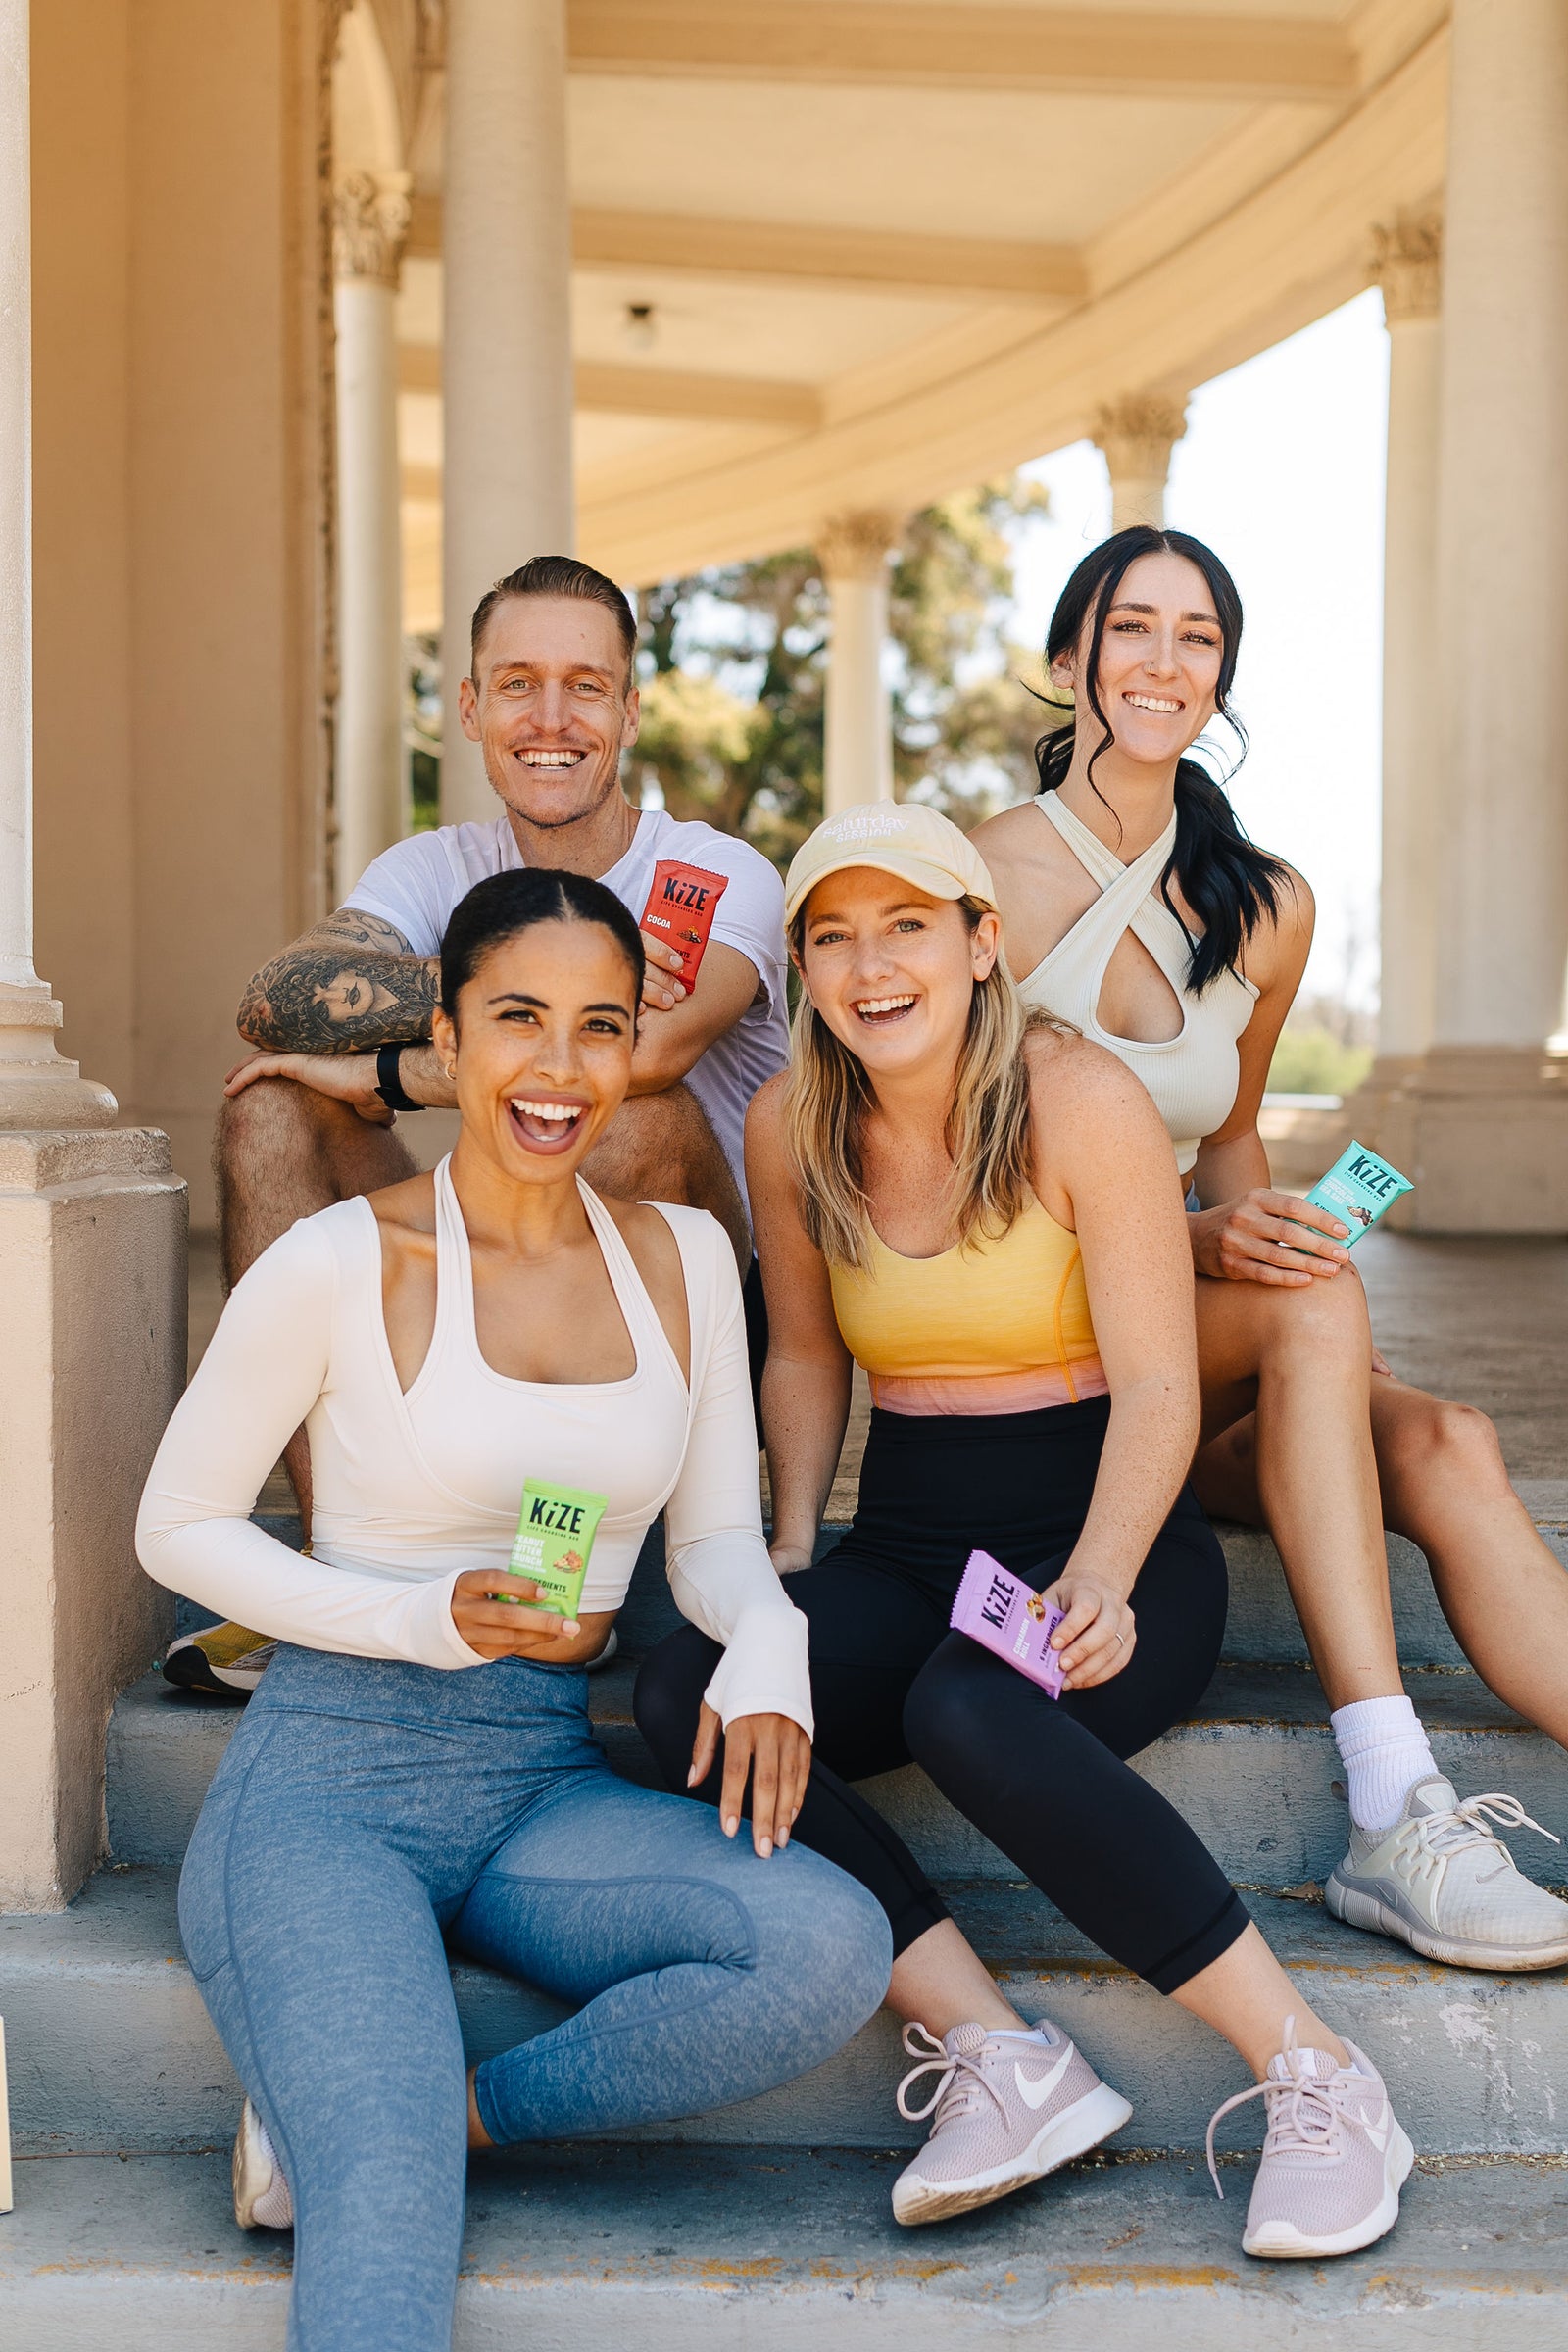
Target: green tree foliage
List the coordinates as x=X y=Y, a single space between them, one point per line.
x=733 y=666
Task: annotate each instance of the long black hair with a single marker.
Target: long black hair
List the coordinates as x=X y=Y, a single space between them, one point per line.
x=503 y=905
x=1230 y=884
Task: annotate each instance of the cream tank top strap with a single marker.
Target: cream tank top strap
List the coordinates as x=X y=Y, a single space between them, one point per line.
x=456 y=1332
x=1192 y=1076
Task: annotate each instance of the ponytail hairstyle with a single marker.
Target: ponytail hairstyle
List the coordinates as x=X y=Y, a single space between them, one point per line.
x=1231 y=885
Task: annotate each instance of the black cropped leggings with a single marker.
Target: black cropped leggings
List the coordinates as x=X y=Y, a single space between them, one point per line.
x=1045 y=1780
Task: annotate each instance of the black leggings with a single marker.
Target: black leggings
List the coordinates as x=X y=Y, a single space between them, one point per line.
x=1043 y=1780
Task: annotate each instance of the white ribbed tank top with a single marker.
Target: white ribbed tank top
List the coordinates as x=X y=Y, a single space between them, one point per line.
x=1194 y=1075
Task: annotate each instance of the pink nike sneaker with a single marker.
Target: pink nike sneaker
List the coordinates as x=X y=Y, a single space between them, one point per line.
x=1335 y=2157
x=1006 y=2109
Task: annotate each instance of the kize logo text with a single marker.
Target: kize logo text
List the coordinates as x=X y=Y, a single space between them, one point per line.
x=560 y=1518
x=997 y=1602
x=685 y=894
x=1377 y=1179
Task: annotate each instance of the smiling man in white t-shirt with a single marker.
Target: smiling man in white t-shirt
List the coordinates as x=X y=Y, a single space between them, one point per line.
x=341 y=1019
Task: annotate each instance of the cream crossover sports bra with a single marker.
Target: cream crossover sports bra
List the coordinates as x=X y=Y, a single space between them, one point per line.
x=1194 y=1075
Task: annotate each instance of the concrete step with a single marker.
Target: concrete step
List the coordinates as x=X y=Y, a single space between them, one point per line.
x=1254 y=1773
x=111 y=2048
x=1261 y=1626
x=778 y=2250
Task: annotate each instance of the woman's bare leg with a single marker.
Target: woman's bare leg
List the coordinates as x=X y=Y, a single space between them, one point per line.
x=941 y=1983
x=1444 y=1485
x=1506 y=1595
x=1301 y=1360
x=1246 y=1995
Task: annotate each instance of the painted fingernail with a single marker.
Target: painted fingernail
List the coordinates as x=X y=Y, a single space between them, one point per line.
x=783 y=1840
x=766 y=1848
x=732 y=1822
x=691 y=1777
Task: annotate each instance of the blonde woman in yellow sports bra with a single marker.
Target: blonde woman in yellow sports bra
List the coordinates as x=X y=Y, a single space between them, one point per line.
x=978 y=1207
x=1135 y=906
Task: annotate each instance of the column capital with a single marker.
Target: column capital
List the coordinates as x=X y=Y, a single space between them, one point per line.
x=370 y=224
x=1138 y=432
x=1407 y=264
x=858 y=546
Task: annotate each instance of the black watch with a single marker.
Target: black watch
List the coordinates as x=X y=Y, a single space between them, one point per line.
x=388 y=1085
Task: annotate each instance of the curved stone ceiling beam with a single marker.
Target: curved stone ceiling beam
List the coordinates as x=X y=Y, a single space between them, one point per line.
x=1169 y=54
x=1280 y=259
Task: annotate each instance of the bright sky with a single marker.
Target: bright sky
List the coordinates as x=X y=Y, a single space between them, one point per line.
x=1280 y=471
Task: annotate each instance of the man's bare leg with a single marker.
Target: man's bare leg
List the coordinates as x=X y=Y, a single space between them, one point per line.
x=281 y=1153
x=662 y=1148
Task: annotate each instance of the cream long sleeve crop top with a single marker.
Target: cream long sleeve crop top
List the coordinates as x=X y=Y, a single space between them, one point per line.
x=412 y=1489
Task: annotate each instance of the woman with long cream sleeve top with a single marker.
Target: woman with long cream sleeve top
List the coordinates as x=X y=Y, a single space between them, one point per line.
x=418 y=1767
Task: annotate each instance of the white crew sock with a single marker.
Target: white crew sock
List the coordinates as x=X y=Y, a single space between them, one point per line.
x=1385 y=1752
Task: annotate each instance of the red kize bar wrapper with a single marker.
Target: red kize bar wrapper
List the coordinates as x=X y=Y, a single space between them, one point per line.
x=680 y=909
x=1000 y=1611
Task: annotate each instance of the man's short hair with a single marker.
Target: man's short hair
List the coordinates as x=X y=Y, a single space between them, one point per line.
x=555 y=576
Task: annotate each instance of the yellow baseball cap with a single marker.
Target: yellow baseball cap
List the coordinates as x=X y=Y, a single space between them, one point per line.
x=898 y=837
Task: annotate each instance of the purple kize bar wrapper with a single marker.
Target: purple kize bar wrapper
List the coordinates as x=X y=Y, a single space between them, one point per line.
x=1000 y=1611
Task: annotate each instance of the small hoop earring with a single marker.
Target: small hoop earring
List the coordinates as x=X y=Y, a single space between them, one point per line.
x=452 y=1069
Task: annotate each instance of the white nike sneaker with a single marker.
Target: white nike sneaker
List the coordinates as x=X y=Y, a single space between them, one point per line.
x=1441 y=1882
x=1335 y=2157
x=261 y=2194
x=1008 y=2108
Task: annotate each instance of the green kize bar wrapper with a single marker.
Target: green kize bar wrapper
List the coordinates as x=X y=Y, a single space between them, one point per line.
x=1357 y=1189
x=554 y=1537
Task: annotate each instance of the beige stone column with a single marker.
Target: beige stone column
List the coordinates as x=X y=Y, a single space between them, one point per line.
x=92 y=1301
x=371 y=219
x=1482 y=1122
x=507 y=357
x=1408 y=264
x=853 y=552
x=1136 y=436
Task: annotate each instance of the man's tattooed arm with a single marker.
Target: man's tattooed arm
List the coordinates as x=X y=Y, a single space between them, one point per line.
x=347 y=987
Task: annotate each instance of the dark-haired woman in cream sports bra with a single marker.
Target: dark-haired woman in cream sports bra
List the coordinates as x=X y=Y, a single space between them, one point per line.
x=1134 y=905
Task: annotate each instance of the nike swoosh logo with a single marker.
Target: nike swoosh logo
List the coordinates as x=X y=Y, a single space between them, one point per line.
x=1036 y=2093
x=1378 y=2132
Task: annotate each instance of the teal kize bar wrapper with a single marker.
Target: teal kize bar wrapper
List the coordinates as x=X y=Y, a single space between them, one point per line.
x=1357 y=1189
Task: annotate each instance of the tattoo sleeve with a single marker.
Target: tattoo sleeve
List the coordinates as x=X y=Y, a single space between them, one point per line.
x=347 y=987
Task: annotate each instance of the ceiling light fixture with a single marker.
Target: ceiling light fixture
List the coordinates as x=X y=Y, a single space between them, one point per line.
x=638 y=329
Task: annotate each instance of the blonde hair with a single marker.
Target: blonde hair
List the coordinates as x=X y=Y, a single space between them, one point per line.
x=828 y=1095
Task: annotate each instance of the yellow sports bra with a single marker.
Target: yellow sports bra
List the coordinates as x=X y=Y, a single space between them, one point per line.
x=1003 y=1327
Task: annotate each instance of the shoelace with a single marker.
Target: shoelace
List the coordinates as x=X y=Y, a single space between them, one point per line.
x=955 y=2071
x=1305 y=2117
x=1437 y=1836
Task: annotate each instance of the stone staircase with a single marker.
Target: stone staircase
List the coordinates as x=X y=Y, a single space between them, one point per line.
x=770 y=2221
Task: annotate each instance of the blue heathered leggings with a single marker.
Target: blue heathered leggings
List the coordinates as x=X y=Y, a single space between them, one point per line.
x=363 y=1811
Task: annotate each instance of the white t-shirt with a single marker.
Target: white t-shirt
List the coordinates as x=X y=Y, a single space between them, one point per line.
x=416 y=884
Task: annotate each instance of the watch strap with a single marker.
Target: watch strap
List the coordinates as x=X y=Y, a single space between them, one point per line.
x=388 y=1085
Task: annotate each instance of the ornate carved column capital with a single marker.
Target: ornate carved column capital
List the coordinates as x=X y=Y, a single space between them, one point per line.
x=856 y=546
x=370 y=224
x=1407 y=264
x=1138 y=432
